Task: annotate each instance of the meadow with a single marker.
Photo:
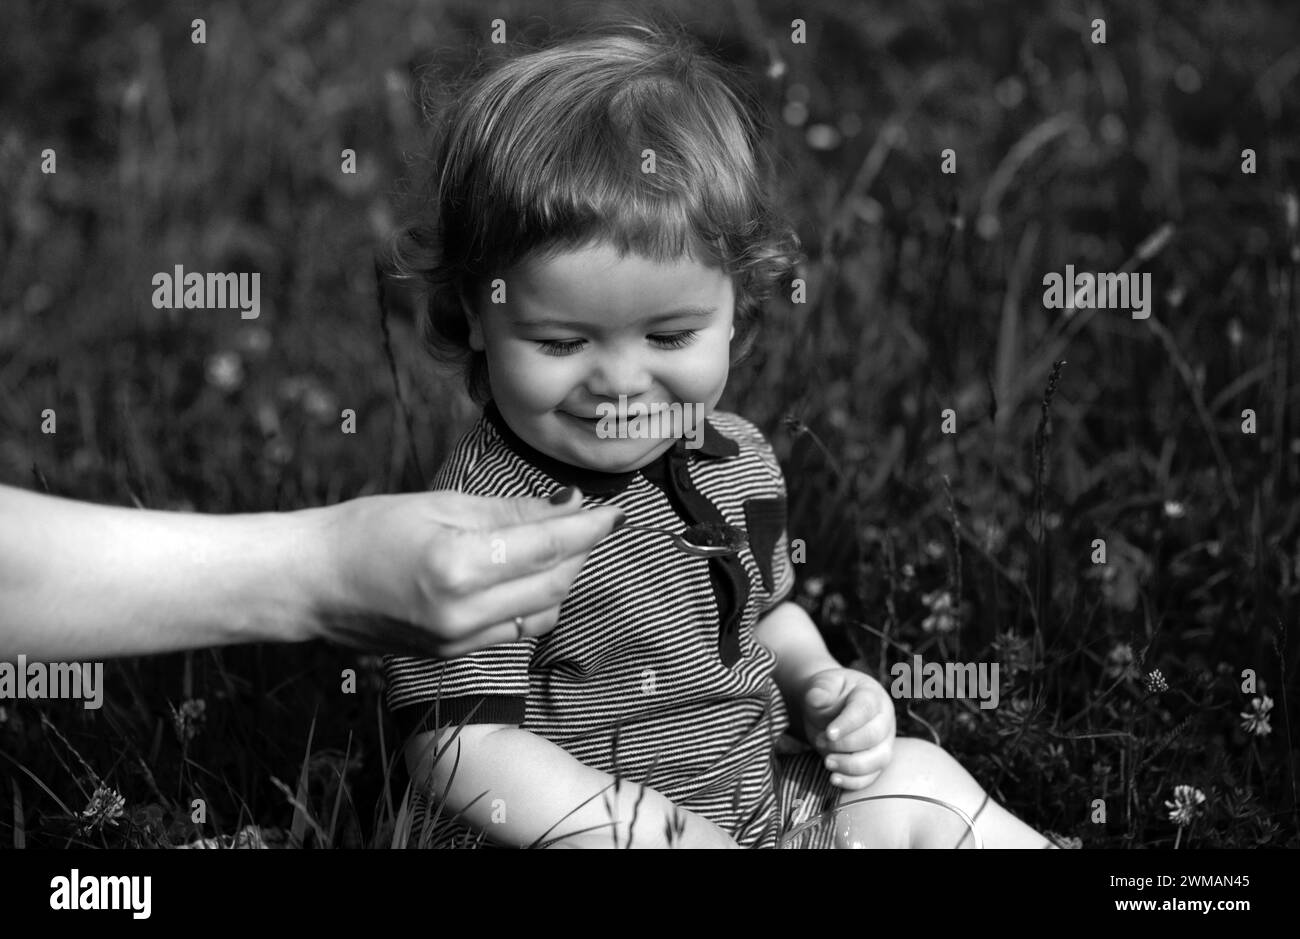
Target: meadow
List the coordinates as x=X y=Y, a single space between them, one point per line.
x=954 y=449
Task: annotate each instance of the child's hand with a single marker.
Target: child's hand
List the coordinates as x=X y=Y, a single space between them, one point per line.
x=849 y=718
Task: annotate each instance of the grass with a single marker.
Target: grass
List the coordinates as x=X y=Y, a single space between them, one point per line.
x=923 y=294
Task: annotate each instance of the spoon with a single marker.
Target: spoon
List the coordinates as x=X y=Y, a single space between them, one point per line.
x=705 y=540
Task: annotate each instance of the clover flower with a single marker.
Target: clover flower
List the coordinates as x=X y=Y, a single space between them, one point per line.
x=188 y=720
x=1119 y=660
x=942 y=618
x=1255 y=721
x=1155 y=682
x=105 y=808
x=1185 y=805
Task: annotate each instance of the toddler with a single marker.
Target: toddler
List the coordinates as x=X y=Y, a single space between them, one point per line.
x=597 y=243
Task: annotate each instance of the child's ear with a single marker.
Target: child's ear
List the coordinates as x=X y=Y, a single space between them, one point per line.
x=475 y=327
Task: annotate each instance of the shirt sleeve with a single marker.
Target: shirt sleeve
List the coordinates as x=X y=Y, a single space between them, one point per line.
x=485 y=687
x=766 y=520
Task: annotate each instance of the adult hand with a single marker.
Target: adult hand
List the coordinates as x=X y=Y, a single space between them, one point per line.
x=447 y=573
x=433 y=573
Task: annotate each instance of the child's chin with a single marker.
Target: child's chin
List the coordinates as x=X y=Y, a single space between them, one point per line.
x=621 y=456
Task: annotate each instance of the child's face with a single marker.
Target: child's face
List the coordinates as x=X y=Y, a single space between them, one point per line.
x=584 y=327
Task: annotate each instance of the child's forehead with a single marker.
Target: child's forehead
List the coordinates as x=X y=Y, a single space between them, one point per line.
x=599 y=276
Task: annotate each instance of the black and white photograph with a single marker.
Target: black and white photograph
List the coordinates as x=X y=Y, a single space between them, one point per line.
x=769 y=424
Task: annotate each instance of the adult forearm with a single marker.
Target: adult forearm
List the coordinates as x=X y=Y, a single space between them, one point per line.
x=79 y=580
x=523 y=790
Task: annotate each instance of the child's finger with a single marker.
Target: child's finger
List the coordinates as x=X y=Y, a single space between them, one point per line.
x=855 y=770
x=857 y=711
x=871 y=734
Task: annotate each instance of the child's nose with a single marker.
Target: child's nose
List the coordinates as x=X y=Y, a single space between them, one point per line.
x=615 y=374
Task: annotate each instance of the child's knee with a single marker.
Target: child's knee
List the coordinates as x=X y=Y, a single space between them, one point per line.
x=928 y=767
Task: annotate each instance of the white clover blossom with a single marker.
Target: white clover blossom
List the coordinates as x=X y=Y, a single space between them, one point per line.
x=1185 y=805
x=1255 y=721
x=1155 y=682
x=942 y=618
x=105 y=808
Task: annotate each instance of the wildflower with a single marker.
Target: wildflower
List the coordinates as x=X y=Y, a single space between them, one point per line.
x=1119 y=660
x=105 y=808
x=1014 y=651
x=942 y=616
x=226 y=370
x=1155 y=682
x=1184 y=806
x=835 y=608
x=934 y=549
x=1255 y=721
x=188 y=720
x=1174 y=509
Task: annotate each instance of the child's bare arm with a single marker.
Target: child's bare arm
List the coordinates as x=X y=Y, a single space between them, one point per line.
x=846 y=715
x=532 y=790
x=791 y=636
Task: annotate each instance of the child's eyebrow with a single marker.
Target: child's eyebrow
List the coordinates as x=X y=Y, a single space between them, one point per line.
x=686 y=312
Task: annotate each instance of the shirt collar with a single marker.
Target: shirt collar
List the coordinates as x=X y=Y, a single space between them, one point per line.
x=714 y=445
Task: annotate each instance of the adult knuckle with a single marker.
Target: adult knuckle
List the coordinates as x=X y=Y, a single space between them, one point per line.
x=552 y=550
x=555 y=587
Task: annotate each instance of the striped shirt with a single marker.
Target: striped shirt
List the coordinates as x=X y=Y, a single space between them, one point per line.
x=652 y=673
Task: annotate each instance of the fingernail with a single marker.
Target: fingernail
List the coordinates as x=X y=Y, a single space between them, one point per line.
x=563 y=496
x=832 y=765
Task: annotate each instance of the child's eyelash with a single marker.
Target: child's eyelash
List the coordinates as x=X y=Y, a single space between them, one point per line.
x=559 y=346
x=666 y=340
x=676 y=340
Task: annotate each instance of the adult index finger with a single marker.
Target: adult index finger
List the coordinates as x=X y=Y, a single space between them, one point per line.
x=538 y=546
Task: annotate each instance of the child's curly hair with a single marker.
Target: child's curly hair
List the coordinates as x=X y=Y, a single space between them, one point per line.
x=543 y=153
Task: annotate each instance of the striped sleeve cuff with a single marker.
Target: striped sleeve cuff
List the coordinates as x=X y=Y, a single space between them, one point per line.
x=424 y=716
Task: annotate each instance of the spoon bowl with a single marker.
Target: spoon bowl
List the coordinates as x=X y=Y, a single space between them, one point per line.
x=711 y=540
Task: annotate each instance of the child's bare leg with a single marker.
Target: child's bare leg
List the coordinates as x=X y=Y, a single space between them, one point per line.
x=918 y=767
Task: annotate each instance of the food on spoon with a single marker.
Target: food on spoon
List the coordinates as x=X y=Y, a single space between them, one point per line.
x=716 y=535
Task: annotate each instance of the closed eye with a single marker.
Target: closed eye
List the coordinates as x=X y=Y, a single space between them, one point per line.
x=560 y=346
x=675 y=340
x=664 y=340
